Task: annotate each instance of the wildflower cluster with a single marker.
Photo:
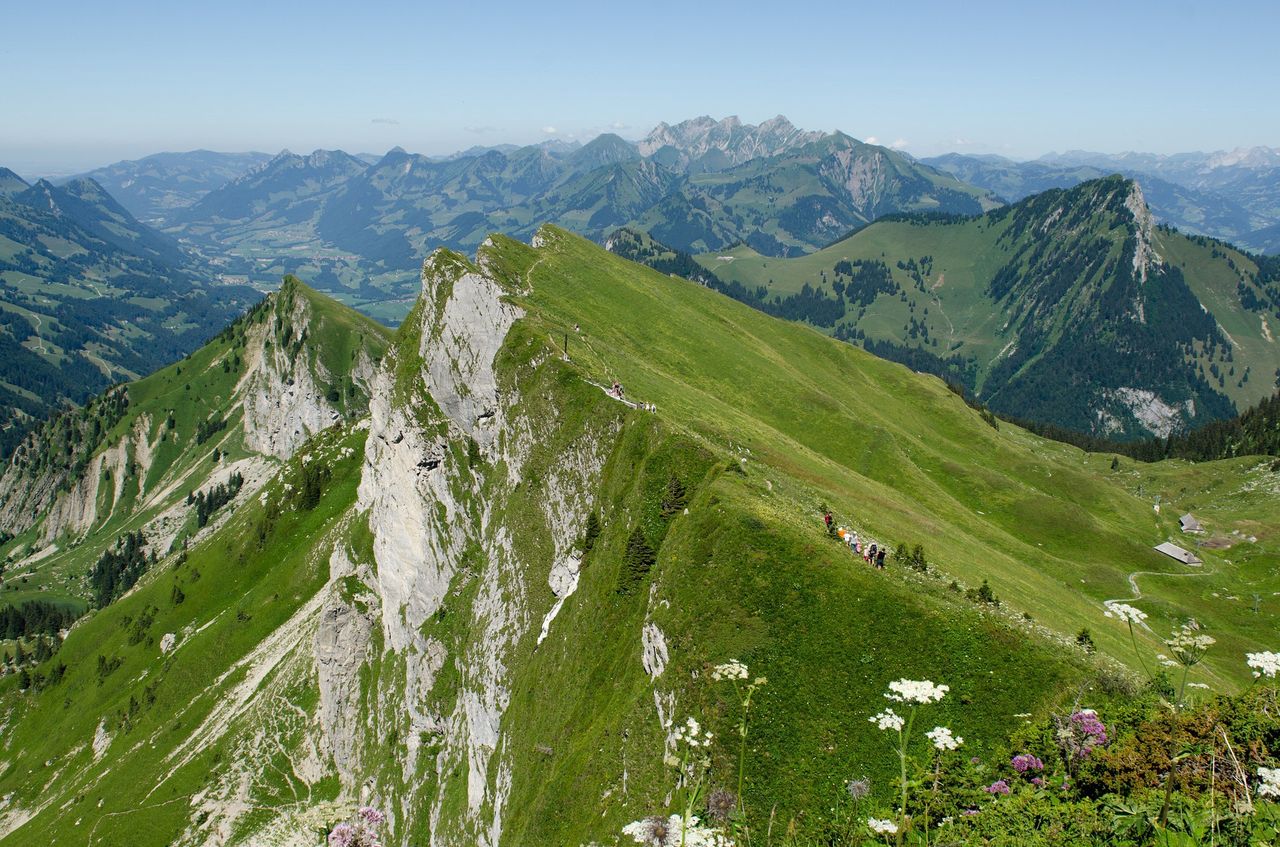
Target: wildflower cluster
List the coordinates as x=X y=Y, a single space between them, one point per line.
x=360 y=831
x=888 y=719
x=1024 y=762
x=732 y=669
x=1125 y=612
x=998 y=787
x=1189 y=645
x=943 y=739
x=918 y=691
x=882 y=827
x=1084 y=732
x=1264 y=664
x=691 y=733
x=1269 y=783
x=659 y=831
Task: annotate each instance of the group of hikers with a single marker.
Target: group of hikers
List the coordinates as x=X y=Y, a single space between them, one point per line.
x=873 y=553
x=616 y=392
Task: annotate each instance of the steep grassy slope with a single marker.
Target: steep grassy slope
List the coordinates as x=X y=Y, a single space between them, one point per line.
x=438 y=629
x=1068 y=308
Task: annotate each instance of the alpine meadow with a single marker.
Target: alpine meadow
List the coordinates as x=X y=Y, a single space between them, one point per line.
x=578 y=473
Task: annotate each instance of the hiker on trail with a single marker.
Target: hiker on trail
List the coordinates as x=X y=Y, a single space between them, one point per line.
x=880 y=559
x=871 y=554
x=577 y=328
x=826 y=519
x=852 y=538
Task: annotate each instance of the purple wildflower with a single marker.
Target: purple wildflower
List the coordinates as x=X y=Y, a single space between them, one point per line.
x=360 y=831
x=1037 y=782
x=1082 y=733
x=997 y=787
x=1024 y=762
x=975 y=761
x=969 y=812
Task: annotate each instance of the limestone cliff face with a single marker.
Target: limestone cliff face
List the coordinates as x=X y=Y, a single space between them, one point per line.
x=474 y=490
x=102 y=483
x=282 y=388
x=434 y=512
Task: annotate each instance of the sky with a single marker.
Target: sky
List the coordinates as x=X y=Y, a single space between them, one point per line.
x=88 y=83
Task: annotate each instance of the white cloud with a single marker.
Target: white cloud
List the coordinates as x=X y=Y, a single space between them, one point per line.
x=899 y=144
x=550 y=130
x=480 y=130
x=871 y=139
x=391 y=121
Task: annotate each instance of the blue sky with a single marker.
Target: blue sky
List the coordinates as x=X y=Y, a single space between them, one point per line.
x=86 y=83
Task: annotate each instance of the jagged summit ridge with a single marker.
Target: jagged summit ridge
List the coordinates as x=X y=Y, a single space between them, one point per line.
x=728 y=141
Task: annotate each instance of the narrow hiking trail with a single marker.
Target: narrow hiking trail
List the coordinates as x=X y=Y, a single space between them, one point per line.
x=1137 y=592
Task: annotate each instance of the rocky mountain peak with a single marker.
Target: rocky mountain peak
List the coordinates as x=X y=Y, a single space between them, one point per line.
x=715 y=145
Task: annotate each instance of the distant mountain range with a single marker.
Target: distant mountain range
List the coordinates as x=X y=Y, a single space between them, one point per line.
x=90 y=296
x=1233 y=195
x=358 y=225
x=154 y=187
x=359 y=230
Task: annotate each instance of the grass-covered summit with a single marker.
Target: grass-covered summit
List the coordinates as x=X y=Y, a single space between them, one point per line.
x=485 y=605
x=1070 y=307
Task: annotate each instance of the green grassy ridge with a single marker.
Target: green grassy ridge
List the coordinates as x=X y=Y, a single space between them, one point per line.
x=238 y=590
x=965 y=320
x=897 y=454
x=577 y=696
x=739 y=576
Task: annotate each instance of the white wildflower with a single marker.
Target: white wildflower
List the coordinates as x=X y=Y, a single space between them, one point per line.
x=1197 y=685
x=1269 y=782
x=659 y=830
x=916 y=691
x=943 y=739
x=888 y=719
x=1125 y=612
x=1188 y=645
x=691 y=733
x=882 y=827
x=732 y=669
x=1264 y=664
